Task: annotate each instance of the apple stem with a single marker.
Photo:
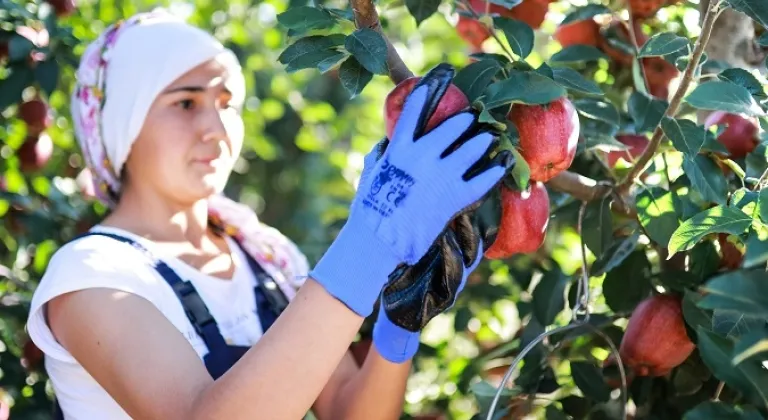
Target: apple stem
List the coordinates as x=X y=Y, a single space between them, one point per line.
x=711 y=15
x=367 y=17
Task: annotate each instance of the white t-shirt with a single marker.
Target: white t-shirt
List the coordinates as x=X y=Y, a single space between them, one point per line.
x=99 y=261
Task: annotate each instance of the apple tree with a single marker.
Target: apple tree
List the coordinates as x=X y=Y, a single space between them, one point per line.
x=633 y=239
x=628 y=274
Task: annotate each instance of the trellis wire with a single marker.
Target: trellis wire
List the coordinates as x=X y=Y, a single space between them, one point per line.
x=579 y=318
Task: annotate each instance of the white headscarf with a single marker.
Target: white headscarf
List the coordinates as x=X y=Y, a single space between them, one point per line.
x=120 y=75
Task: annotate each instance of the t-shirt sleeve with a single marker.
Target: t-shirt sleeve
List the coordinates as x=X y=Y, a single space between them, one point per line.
x=91 y=262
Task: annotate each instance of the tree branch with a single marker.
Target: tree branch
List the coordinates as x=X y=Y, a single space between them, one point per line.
x=367 y=17
x=674 y=105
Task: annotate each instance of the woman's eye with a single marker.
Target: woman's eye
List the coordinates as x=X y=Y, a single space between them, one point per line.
x=186 y=103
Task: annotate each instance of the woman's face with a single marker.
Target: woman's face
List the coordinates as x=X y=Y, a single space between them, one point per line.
x=191 y=137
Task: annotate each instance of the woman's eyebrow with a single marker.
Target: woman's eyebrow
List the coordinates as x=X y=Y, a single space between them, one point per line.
x=195 y=89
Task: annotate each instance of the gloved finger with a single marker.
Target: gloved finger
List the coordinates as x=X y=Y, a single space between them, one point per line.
x=504 y=158
x=481 y=184
x=442 y=137
x=471 y=152
x=438 y=80
x=410 y=117
x=467 y=236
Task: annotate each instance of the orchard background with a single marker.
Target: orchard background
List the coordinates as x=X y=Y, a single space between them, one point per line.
x=657 y=201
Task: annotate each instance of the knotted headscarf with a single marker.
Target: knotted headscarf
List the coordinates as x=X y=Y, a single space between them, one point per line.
x=120 y=75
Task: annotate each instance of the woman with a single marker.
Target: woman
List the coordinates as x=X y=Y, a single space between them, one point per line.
x=168 y=308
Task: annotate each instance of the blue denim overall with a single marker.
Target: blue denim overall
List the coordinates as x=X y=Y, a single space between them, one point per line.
x=270 y=302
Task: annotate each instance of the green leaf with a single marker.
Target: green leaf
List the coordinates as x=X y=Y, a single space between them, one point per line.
x=763 y=39
x=679 y=280
x=597 y=109
x=47 y=75
x=662 y=44
x=552 y=413
x=585 y=12
x=711 y=144
x=310 y=51
x=658 y=214
x=753 y=8
x=12 y=87
x=521 y=172
x=590 y=381
x=724 y=96
x=628 y=284
x=757 y=161
x=422 y=9
x=762 y=205
x=694 y=316
x=744 y=79
x=523 y=87
x=597 y=227
x=304 y=18
x=751 y=345
x=331 y=61
x=474 y=78
x=719 y=219
x=716 y=353
x=549 y=296
x=742 y=290
x=734 y=324
x=615 y=255
x=704 y=260
x=646 y=111
x=709 y=410
x=353 y=76
x=577 y=53
x=706 y=178
x=574 y=81
x=519 y=35
x=545 y=70
x=686 y=135
x=757 y=249
x=19 y=48
x=370 y=49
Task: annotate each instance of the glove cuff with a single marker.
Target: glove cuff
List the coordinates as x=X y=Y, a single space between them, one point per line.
x=394 y=343
x=356 y=267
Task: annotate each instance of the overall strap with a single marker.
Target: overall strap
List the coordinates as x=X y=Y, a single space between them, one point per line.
x=270 y=300
x=194 y=307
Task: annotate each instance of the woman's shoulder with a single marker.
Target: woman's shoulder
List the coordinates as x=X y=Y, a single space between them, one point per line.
x=95 y=260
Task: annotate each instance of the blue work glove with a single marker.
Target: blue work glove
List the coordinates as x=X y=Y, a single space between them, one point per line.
x=412 y=192
x=399 y=345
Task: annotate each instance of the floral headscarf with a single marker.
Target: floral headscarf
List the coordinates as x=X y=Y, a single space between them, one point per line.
x=106 y=131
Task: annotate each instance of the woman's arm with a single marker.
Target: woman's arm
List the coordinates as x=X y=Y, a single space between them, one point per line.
x=150 y=369
x=374 y=391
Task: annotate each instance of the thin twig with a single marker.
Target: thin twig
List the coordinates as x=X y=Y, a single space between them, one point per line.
x=633 y=40
x=491 y=29
x=709 y=19
x=719 y=390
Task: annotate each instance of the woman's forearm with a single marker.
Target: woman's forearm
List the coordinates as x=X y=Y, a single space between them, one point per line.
x=376 y=392
x=283 y=374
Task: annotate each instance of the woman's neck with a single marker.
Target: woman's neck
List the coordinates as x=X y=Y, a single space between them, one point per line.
x=160 y=219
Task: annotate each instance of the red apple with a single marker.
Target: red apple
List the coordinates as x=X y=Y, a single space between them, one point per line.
x=36 y=114
x=741 y=135
x=656 y=340
x=524 y=221
x=452 y=102
x=473 y=32
x=581 y=32
x=35 y=152
x=548 y=136
x=63 y=8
